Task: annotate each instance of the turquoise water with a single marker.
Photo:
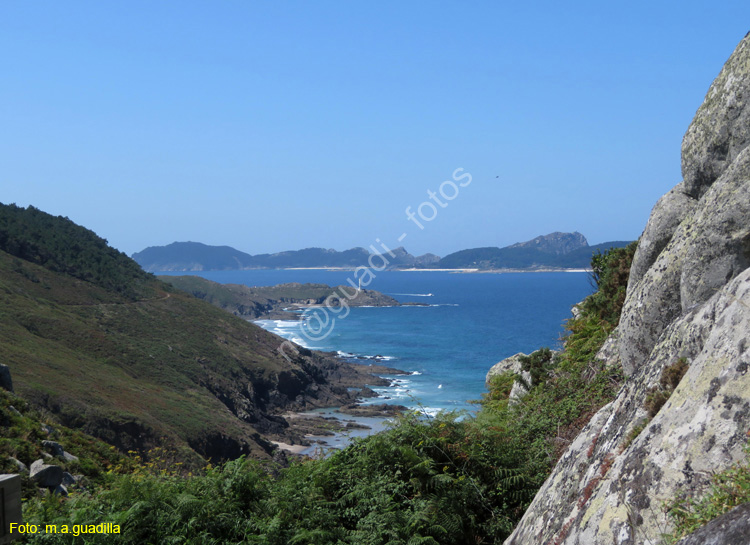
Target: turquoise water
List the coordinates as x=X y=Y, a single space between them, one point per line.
x=472 y=322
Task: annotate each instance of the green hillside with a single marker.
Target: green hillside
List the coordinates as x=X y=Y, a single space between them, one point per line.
x=254 y=302
x=112 y=350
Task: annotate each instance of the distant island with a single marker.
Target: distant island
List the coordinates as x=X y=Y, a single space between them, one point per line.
x=555 y=251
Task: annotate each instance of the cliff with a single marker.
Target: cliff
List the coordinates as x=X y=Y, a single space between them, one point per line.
x=687 y=310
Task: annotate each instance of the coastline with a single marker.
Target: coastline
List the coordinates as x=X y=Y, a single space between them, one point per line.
x=351 y=269
x=461 y=271
x=320 y=428
x=338 y=431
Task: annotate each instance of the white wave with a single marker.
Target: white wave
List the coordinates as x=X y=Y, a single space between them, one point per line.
x=431 y=412
x=287 y=329
x=376 y=358
x=414 y=294
x=415 y=373
x=444 y=305
x=277 y=324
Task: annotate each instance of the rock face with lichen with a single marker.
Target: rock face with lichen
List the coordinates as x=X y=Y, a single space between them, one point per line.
x=511 y=365
x=687 y=307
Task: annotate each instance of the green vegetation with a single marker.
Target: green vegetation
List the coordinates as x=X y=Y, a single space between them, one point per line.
x=439 y=482
x=140 y=364
x=59 y=245
x=259 y=301
x=22 y=430
x=449 y=480
x=728 y=489
x=671 y=376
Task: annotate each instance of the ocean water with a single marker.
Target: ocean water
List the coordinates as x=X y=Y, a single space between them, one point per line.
x=471 y=322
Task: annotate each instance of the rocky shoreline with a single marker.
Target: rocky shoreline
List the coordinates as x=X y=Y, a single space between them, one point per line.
x=304 y=428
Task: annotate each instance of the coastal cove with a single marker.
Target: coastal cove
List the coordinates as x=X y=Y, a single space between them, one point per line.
x=470 y=322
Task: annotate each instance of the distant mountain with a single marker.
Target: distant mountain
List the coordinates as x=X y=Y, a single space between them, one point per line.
x=309 y=257
x=401 y=259
x=556 y=250
x=190 y=256
x=555 y=243
x=194 y=256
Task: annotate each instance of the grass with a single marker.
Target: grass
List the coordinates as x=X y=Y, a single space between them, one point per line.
x=728 y=489
x=256 y=301
x=23 y=431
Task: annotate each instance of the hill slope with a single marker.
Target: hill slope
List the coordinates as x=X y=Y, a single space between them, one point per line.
x=191 y=256
x=131 y=360
x=257 y=302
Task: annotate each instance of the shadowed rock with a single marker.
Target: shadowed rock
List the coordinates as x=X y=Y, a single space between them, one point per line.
x=732 y=528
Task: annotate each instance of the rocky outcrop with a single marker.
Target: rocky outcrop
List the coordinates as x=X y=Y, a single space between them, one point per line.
x=48 y=476
x=721 y=128
x=688 y=303
x=697 y=238
x=511 y=365
x=666 y=216
x=6 y=383
x=54 y=448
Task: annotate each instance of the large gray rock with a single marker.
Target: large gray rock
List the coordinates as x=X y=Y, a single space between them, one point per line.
x=68 y=479
x=698 y=235
x=688 y=297
x=721 y=128
x=46 y=475
x=513 y=365
x=20 y=465
x=68 y=457
x=6 y=382
x=666 y=216
x=608 y=487
x=54 y=448
x=710 y=247
x=732 y=528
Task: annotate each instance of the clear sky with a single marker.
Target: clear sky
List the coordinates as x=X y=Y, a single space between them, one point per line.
x=272 y=126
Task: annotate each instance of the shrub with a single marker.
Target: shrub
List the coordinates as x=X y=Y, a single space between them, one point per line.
x=671 y=376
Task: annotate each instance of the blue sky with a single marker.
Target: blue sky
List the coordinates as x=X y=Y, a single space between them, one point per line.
x=270 y=126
